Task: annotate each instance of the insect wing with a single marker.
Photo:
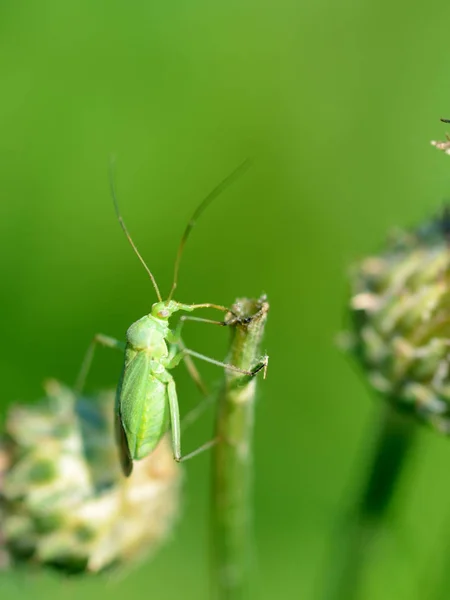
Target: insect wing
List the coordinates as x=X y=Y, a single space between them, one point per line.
x=126 y=462
x=131 y=399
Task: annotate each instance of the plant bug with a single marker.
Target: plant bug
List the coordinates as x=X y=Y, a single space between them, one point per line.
x=146 y=398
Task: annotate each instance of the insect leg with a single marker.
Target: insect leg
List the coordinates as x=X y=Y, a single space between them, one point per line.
x=176 y=428
x=192 y=370
x=209 y=398
x=174 y=359
x=194 y=414
x=210 y=305
x=202 y=320
x=174 y=337
x=174 y=410
x=103 y=340
x=175 y=356
x=261 y=366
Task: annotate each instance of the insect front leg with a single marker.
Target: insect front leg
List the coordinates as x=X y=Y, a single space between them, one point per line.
x=102 y=340
x=174 y=336
x=176 y=426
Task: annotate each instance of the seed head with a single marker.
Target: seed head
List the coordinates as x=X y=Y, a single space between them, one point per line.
x=63 y=499
x=400 y=309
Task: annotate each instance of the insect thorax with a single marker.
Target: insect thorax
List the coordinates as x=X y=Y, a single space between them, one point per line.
x=149 y=334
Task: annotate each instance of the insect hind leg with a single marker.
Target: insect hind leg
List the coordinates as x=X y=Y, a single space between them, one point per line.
x=99 y=339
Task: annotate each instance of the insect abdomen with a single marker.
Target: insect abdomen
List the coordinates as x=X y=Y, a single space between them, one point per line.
x=142 y=405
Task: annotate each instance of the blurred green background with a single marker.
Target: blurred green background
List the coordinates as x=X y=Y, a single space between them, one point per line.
x=336 y=102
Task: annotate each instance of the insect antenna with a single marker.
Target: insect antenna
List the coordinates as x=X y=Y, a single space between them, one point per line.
x=125 y=230
x=199 y=210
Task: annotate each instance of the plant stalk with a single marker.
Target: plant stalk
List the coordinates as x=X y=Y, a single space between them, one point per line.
x=351 y=553
x=232 y=460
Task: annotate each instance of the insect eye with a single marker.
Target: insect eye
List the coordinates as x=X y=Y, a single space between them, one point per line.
x=163 y=314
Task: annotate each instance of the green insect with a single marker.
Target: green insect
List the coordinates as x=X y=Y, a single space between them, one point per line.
x=146 y=399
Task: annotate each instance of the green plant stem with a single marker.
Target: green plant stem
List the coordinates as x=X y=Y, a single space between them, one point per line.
x=232 y=460
x=391 y=448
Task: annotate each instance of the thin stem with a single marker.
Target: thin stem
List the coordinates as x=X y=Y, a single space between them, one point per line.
x=232 y=460
x=350 y=557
